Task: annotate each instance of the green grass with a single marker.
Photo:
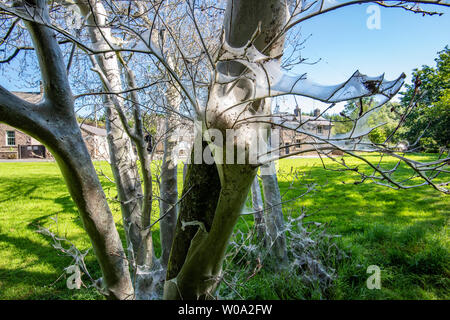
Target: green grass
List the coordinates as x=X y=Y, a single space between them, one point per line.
x=404 y=232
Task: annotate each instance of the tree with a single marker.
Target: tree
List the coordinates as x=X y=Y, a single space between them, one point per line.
x=135 y=202
x=429 y=122
x=246 y=73
x=384 y=121
x=53 y=122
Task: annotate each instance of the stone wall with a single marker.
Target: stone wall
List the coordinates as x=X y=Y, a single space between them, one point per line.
x=11 y=152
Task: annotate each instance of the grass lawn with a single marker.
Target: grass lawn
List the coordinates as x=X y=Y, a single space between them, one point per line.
x=404 y=232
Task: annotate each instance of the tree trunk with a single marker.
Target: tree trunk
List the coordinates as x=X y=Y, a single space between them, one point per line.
x=258 y=209
x=168 y=208
x=53 y=122
x=200 y=274
x=197 y=272
x=123 y=160
x=80 y=176
x=168 y=190
x=126 y=176
x=274 y=215
x=198 y=203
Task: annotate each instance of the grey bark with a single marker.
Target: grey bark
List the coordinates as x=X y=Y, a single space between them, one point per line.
x=200 y=269
x=274 y=216
x=53 y=122
x=258 y=209
x=145 y=254
x=169 y=196
x=123 y=161
x=168 y=187
x=126 y=177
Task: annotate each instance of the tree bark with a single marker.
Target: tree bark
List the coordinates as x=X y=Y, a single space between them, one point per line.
x=198 y=203
x=80 y=176
x=274 y=216
x=168 y=188
x=200 y=273
x=258 y=209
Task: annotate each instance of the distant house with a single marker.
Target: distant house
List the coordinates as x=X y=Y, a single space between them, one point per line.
x=14 y=144
x=292 y=142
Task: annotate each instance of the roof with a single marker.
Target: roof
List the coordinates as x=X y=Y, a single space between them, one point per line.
x=32 y=97
x=93 y=130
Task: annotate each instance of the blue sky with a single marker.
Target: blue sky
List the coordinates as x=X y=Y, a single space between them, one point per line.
x=344 y=44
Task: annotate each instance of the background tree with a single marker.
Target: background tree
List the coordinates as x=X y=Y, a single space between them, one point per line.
x=384 y=121
x=429 y=122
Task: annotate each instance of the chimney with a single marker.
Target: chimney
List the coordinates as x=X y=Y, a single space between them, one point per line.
x=316 y=112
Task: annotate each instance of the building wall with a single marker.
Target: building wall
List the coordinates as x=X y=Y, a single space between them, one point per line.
x=97 y=145
x=11 y=152
x=291 y=139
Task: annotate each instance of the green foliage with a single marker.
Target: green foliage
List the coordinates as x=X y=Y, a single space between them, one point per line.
x=432 y=114
x=92 y=122
x=385 y=119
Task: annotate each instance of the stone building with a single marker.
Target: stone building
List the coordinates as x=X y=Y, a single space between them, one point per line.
x=15 y=144
x=292 y=142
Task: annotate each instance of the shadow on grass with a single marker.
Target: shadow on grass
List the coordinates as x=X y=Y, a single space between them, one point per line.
x=402 y=231
x=25 y=285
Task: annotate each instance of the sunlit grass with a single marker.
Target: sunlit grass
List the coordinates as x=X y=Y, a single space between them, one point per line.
x=404 y=232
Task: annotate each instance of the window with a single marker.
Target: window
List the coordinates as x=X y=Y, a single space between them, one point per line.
x=10 y=138
x=319 y=129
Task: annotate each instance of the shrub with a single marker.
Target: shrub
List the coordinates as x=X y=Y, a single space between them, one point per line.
x=429 y=145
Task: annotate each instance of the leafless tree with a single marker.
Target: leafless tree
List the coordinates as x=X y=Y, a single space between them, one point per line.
x=227 y=82
x=53 y=122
